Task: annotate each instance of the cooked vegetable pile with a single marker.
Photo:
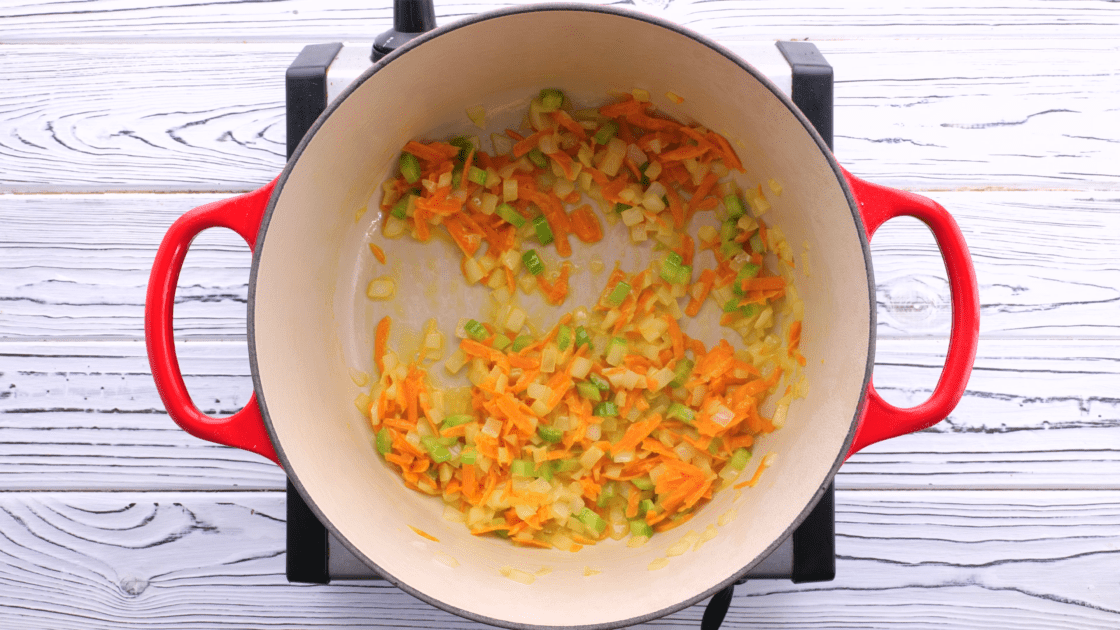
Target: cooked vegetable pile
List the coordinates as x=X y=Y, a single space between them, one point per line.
x=611 y=422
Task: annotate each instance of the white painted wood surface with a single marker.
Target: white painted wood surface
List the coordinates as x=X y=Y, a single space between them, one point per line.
x=118 y=115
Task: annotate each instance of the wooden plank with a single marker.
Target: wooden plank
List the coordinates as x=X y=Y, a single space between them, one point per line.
x=86 y=415
x=1030 y=560
x=68 y=270
x=200 y=117
x=132 y=20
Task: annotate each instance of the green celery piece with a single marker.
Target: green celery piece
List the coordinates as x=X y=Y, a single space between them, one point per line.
x=731 y=306
x=521 y=468
x=456 y=420
x=477 y=176
x=730 y=249
x=533 y=263
x=748 y=270
x=749 y=310
x=521 y=342
x=582 y=337
x=550 y=434
x=608 y=492
x=680 y=412
x=456 y=175
x=536 y=156
x=551 y=99
x=618 y=293
x=600 y=382
x=567 y=465
x=757 y=246
x=589 y=391
x=739 y=459
x=734 y=206
x=410 y=167
x=642 y=483
x=593 y=521
x=619 y=206
x=671 y=268
x=727 y=231
x=605 y=409
x=501 y=342
x=714 y=446
x=615 y=341
x=682 y=371
x=544 y=231
x=644 y=506
x=468 y=455
x=477 y=331
x=606 y=132
x=544 y=471
x=384 y=441
x=564 y=337
x=638 y=527
x=645 y=178
x=438 y=452
x=400 y=209
x=510 y=214
x=465 y=147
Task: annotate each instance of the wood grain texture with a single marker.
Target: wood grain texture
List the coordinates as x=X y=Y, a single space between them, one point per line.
x=86 y=415
x=236 y=21
x=1029 y=560
x=77 y=266
x=921 y=114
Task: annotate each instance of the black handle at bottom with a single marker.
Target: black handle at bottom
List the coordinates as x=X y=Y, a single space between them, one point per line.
x=717 y=609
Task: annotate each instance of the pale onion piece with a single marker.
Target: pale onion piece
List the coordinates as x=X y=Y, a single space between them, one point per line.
x=509 y=189
x=765 y=318
x=652 y=327
x=433 y=340
x=537 y=391
x=591 y=455
x=594 y=432
x=580 y=367
x=640 y=95
x=527 y=283
x=610 y=318
x=516 y=319
x=502 y=143
x=487 y=263
x=682 y=545
x=673 y=96
x=360 y=378
x=636 y=155
x=588 y=571
x=413 y=438
x=656 y=188
x=638 y=234
x=775 y=186
x=511 y=260
x=362 y=403
x=781 y=413
x=653 y=170
x=394 y=227
x=548 y=358
x=659 y=563
x=428 y=185
x=629 y=195
x=623 y=457
x=632 y=216
x=685 y=451
x=445 y=559
x=540 y=408
x=612 y=163
x=389 y=362
x=723 y=416
x=525 y=510
x=540 y=486
x=477 y=114
x=518 y=575
x=637 y=541
x=616 y=353
x=381 y=288
x=560 y=512
x=444 y=180
x=489 y=203
x=653 y=202
x=757 y=201
x=493 y=427
x=544 y=571
x=617 y=525
x=720 y=169
x=400 y=372
x=659 y=379
x=747 y=223
x=727 y=517
x=585 y=154
x=585 y=180
x=501 y=295
x=616 y=146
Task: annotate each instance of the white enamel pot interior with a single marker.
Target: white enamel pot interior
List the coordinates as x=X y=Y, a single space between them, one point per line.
x=310 y=322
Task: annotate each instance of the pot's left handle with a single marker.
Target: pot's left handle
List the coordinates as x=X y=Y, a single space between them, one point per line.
x=244 y=429
x=882 y=420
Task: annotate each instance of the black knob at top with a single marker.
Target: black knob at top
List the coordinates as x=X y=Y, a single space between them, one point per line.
x=410 y=18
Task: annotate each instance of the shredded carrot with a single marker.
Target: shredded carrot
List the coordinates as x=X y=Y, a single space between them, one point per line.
x=378 y=253
x=380 y=341
x=585 y=224
x=423 y=533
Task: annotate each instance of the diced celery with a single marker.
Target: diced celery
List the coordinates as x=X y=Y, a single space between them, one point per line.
x=644 y=506
x=551 y=99
x=616 y=350
x=544 y=232
x=436 y=450
x=748 y=271
x=567 y=465
x=757 y=246
x=384 y=441
x=683 y=370
x=618 y=293
x=605 y=409
x=582 y=337
x=600 y=382
x=674 y=271
x=456 y=175
x=544 y=471
x=727 y=231
x=638 y=527
x=619 y=207
x=521 y=468
x=501 y=342
x=645 y=178
x=608 y=492
x=734 y=206
x=730 y=249
x=589 y=391
x=550 y=434
x=680 y=412
x=476 y=330
x=714 y=446
x=477 y=175
x=642 y=483
x=739 y=459
x=521 y=342
x=469 y=456
x=456 y=420
x=593 y=521
x=537 y=157
x=410 y=167
x=400 y=209
x=731 y=306
x=606 y=132
x=564 y=337
x=533 y=263
x=465 y=147
x=510 y=214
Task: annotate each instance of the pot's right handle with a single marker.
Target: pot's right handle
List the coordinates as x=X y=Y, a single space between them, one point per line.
x=882 y=420
x=244 y=429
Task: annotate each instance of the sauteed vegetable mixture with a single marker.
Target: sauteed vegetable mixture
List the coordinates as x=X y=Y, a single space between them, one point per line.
x=614 y=422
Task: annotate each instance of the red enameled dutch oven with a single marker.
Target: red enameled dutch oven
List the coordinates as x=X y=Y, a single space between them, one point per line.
x=309 y=321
